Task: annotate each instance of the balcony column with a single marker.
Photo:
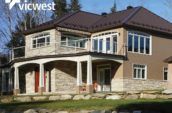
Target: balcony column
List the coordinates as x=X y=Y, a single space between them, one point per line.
x=41 y=79
x=16 y=81
x=89 y=75
x=79 y=76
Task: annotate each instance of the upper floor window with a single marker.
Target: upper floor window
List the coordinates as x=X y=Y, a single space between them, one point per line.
x=105 y=43
x=73 y=41
x=165 y=73
x=139 y=43
x=41 y=40
x=139 y=71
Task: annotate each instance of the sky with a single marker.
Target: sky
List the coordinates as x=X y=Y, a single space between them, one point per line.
x=159 y=7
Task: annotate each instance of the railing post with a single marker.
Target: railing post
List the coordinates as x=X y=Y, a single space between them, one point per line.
x=75 y=46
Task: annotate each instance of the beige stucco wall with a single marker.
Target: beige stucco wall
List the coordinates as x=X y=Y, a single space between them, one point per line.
x=161 y=49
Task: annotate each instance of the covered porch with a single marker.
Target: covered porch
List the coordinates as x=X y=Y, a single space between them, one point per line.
x=66 y=75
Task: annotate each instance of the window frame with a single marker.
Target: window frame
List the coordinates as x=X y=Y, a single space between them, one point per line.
x=164 y=73
x=139 y=34
x=104 y=36
x=75 y=38
x=37 y=37
x=146 y=71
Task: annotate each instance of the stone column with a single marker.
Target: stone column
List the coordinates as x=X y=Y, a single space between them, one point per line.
x=16 y=81
x=79 y=76
x=169 y=76
x=89 y=75
x=41 y=79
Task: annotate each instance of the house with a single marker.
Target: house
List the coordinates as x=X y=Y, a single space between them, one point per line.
x=82 y=52
x=4 y=75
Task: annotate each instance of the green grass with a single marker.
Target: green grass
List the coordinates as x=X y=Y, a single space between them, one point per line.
x=93 y=105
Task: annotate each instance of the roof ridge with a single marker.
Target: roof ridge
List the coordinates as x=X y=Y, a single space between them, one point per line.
x=89 y=13
x=131 y=15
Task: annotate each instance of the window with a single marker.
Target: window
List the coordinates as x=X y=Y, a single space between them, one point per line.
x=165 y=73
x=95 y=44
x=139 y=71
x=41 y=40
x=100 y=45
x=105 y=43
x=139 y=43
x=73 y=41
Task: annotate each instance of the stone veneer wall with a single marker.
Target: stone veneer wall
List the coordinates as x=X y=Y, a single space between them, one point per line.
x=30 y=82
x=65 y=77
x=140 y=85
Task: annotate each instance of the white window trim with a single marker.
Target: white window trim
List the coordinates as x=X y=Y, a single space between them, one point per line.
x=67 y=40
x=104 y=37
x=164 y=72
x=150 y=37
x=33 y=38
x=145 y=72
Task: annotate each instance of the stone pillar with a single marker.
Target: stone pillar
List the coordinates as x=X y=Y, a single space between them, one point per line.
x=79 y=76
x=89 y=75
x=41 y=79
x=169 y=76
x=16 y=81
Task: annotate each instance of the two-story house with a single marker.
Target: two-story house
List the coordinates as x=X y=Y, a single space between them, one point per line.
x=83 y=52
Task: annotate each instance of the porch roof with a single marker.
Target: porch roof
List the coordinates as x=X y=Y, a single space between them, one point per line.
x=94 y=54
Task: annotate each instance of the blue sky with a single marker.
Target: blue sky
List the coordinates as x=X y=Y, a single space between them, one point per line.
x=157 y=6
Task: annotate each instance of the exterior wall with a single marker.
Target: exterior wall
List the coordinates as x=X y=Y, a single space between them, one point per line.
x=54 y=34
x=30 y=82
x=120 y=40
x=161 y=48
x=65 y=77
x=52 y=49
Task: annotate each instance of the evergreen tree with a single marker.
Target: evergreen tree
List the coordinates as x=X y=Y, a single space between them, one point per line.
x=113 y=9
x=75 y=5
x=60 y=8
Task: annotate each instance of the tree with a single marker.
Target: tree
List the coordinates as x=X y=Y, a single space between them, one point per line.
x=113 y=9
x=60 y=8
x=75 y=6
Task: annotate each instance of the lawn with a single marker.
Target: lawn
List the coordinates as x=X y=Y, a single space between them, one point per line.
x=69 y=105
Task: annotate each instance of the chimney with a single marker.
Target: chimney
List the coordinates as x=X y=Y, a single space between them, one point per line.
x=104 y=14
x=129 y=7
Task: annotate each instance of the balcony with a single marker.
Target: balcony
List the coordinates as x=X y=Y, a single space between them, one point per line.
x=69 y=47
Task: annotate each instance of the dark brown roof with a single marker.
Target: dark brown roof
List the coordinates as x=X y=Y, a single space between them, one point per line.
x=137 y=17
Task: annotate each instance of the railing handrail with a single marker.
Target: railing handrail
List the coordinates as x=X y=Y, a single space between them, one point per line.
x=88 y=45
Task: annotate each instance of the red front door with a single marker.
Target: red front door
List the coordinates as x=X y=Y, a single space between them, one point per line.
x=37 y=80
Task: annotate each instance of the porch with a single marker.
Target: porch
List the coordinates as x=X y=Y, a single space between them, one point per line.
x=66 y=75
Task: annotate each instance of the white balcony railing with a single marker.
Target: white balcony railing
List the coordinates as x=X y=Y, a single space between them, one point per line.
x=68 y=47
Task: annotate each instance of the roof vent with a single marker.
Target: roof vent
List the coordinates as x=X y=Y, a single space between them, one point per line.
x=104 y=14
x=129 y=7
